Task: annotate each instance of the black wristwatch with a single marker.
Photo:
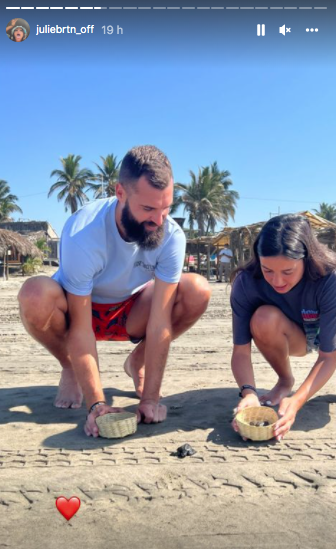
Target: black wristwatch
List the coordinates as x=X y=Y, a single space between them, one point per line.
x=247 y=387
x=99 y=403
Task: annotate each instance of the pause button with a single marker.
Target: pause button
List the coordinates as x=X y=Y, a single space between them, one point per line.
x=262 y=30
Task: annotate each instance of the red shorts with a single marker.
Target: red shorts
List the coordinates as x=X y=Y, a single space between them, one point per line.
x=109 y=320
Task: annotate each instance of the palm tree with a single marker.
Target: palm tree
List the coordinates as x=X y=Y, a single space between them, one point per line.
x=42 y=245
x=108 y=177
x=208 y=199
x=7 y=202
x=177 y=201
x=72 y=181
x=327 y=211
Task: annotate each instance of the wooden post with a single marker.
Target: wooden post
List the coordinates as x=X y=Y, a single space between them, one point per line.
x=7 y=265
x=198 y=258
x=234 y=261
x=208 y=262
x=241 y=248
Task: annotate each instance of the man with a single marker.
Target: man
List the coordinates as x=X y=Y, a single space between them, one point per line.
x=119 y=278
x=225 y=256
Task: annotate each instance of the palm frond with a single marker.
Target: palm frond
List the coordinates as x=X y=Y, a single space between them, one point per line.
x=208 y=198
x=71 y=180
x=7 y=202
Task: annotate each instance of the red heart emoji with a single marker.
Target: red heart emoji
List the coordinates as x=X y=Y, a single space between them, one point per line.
x=68 y=507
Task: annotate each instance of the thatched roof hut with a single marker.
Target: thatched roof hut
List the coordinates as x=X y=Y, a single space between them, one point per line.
x=14 y=248
x=28 y=227
x=241 y=239
x=37 y=230
x=9 y=239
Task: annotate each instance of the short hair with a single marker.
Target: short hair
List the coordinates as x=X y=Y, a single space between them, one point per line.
x=148 y=161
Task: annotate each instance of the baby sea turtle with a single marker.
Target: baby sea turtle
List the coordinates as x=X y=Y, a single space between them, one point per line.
x=183 y=451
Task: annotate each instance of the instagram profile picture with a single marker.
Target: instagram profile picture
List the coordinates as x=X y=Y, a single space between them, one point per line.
x=17 y=30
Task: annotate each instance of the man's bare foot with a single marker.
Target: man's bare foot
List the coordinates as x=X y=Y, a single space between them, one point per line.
x=279 y=391
x=69 y=393
x=135 y=370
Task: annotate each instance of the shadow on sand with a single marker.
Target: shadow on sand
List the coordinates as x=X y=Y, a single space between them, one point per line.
x=207 y=409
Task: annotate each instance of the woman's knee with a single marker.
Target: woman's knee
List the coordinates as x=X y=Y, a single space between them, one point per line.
x=266 y=322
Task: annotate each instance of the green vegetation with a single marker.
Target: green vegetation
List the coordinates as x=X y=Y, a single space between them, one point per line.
x=42 y=245
x=208 y=199
x=327 y=211
x=107 y=177
x=72 y=181
x=32 y=265
x=7 y=202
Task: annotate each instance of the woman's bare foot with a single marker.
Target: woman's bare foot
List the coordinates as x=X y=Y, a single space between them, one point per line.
x=136 y=370
x=279 y=391
x=69 y=393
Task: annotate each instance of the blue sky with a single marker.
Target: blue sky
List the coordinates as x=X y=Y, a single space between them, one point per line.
x=201 y=87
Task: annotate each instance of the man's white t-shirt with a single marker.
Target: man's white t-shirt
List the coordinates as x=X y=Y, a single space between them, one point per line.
x=223 y=258
x=95 y=260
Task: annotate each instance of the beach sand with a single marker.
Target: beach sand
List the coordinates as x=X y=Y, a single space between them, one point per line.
x=133 y=492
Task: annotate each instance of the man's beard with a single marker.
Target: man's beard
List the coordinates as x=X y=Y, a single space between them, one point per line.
x=136 y=232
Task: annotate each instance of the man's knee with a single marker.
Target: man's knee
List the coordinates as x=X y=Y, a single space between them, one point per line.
x=38 y=297
x=195 y=293
x=265 y=322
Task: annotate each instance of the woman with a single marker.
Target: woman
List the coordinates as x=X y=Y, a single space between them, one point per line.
x=18 y=34
x=285 y=300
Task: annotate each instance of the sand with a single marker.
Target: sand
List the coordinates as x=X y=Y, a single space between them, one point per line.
x=133 y=492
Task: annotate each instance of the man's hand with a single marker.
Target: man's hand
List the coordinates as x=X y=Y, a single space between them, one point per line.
x=287 y=410
x=246 y=402
x=150 y=411
x=91 y=427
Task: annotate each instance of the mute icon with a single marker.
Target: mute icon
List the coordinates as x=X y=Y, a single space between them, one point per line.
x=284 y=29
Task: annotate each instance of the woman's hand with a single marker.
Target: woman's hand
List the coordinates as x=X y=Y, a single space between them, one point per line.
x=91 y=427
x=287 y=410
x=251 y=399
